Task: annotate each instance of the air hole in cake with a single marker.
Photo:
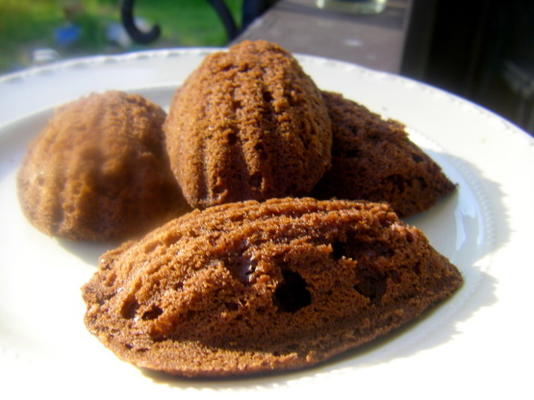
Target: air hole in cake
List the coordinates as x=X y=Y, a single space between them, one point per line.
x=375 y=136
x=291 y=294
x=245 y=67
x=417 y=268
x=422 y=183
x=395 y=277
x=416 y=157
x=153 y=313
x=357 y=249
x=231 y=306
x=397 y=181
x=255 y=180
x=292 y=347
x=378 y=249
x=338 y=249
x=242 y=267
x=218 y=189
x=231 y=138
x=354 y=129
x=267 y=96
x=236 y=218
x=261 y=151
x=130 y=308
x=227 y=67
x=371 y=283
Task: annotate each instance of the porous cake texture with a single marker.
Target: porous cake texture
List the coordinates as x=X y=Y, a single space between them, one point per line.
x=248 y=123
x=373 y=159
x=250 y=287
x=98 y=171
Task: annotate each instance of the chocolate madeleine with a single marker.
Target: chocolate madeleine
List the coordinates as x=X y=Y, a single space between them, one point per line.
x=248 y=124
x=98 y=171
x=373 y=159
x=252 y=287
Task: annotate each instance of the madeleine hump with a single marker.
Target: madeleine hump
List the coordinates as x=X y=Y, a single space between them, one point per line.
x=248 y=124
x=98 y=171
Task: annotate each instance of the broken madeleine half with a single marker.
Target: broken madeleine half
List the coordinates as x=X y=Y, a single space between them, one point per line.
x=252 y=287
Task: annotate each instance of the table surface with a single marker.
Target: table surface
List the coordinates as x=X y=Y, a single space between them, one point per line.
x=375 y=41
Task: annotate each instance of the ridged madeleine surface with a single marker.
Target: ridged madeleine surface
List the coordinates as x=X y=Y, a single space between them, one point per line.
x=249 y=287
x=373 y=159
x=248 y=124
x=98 y=170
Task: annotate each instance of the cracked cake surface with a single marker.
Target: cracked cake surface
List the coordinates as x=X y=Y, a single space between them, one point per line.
x=248 y=123
x=373 y=159
x=98 y=170
x=251 y=287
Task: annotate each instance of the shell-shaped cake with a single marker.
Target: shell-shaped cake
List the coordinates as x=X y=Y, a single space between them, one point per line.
x=98 y=171
x=249 y=287
x=248 y=123
x=373 y=159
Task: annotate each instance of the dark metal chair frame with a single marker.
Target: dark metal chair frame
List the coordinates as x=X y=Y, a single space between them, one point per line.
x=251 y=10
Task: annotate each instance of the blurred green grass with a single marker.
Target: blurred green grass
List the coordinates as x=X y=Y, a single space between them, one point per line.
x=26 y=25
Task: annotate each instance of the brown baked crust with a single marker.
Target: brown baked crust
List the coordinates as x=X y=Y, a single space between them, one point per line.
x=98 y=171
x=373 y=159
x=248 y=124
x=250 y=287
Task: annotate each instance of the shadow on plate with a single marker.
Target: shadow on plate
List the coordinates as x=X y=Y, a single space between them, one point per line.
x=475 y=215
x=87 y=252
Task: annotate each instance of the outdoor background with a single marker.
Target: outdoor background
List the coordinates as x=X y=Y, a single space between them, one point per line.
x=486 y=57
x=33 y=32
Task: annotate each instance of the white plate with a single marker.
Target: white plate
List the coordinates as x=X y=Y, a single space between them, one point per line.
x=479 y=343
